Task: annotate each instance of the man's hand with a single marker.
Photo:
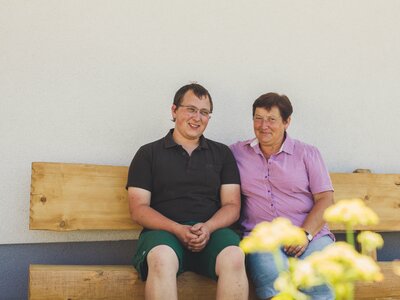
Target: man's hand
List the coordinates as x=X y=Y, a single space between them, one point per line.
x=185 y=235
x=202 y=233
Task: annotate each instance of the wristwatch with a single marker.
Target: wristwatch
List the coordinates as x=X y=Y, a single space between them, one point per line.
x=309 y=236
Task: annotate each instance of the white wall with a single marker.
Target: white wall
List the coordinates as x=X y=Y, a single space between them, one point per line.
x=91 y=81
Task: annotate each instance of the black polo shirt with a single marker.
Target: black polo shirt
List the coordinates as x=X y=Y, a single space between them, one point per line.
x=183 y=188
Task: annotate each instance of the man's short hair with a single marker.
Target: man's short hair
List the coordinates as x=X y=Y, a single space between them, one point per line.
x=270 y=100
x=197 y=89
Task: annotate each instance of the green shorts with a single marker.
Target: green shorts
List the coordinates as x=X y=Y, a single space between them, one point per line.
x=199 y=262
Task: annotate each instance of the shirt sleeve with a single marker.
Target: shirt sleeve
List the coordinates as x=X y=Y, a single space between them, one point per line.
x=140 y=170
x=230 y=171
x=318 y=173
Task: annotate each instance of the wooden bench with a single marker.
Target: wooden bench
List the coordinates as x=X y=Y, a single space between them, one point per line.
x=68 y=197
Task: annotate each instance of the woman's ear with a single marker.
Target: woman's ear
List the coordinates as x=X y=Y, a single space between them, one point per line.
x=287 y=122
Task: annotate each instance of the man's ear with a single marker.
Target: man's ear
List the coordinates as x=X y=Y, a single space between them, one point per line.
x=173 y=112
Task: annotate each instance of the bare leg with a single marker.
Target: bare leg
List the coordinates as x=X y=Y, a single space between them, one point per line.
x=231 y=271
x=161 y=281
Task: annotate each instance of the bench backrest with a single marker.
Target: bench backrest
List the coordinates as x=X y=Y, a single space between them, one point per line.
x=68 y=197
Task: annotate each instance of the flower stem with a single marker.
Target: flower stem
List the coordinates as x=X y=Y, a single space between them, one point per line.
x=278 y=260
x=350 y=240
x=350 y=235
x=351 y=291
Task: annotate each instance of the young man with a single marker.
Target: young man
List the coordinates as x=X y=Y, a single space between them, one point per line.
x=184 y=190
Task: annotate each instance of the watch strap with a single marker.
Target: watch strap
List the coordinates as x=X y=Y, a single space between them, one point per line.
x=309 y=236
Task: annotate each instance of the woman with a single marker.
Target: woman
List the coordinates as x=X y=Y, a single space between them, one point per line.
x=282 y=177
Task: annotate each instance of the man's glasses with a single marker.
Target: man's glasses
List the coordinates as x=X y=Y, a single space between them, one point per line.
x=192 y=110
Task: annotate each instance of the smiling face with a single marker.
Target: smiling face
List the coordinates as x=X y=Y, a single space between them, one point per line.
x=269 y=127
x=191 y=118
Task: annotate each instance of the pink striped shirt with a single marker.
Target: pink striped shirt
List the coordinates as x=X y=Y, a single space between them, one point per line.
x=283 y=185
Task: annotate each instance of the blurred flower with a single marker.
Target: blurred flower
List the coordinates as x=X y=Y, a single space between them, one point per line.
x=352 y=265
x=369 y=241
x=284 y=296
x=351 y=212
x=304 y=273
x=270 y=236
x=288 y=289
x=344 y=290
x=367 y=269
x=338 y=265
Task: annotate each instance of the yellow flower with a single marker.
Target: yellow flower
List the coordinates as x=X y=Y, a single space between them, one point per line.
x=339 y=251
x=270 y=236
x=340 y=262
x=367 y=269
x=288 y=290
x=351 y=212
x=288 y=296
x=338 y=265
x=332 y=270
x=303 y=273
x=343 y=290
x=370 y=241
x=283 y=296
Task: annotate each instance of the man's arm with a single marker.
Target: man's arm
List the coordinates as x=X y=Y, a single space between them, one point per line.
x=230 y=208
x=143 y=214
x=224 y=217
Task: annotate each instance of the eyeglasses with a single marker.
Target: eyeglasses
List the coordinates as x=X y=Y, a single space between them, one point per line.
x=270 y=120
x=192 y=110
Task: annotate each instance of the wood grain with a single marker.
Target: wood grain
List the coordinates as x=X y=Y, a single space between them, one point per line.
x=52 y=282
x=105 y=282
x=68 y=197
x=389 y=289
x=381 y=192
x=93 y=197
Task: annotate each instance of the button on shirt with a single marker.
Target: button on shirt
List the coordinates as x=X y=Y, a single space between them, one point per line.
x=283 y=185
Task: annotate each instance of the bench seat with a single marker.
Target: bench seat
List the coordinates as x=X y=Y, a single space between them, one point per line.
x=52 y=282
x=67 y=197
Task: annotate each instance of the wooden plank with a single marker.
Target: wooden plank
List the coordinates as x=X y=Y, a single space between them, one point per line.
x=84 y=282
x=389 y=289
x=121 y=282
x=381 y=192
x=48 y=282
x=84 y=197
x=79 y=197
x=93 y=197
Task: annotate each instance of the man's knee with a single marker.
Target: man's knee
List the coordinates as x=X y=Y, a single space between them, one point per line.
x=162 y=259
x=230 y=259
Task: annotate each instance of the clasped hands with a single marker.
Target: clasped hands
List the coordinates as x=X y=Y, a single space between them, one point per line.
x=194 y=237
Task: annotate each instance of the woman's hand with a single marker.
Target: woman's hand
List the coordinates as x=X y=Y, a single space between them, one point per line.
x=296 y=250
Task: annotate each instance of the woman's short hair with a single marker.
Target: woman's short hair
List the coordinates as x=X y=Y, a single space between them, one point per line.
x=270 y=100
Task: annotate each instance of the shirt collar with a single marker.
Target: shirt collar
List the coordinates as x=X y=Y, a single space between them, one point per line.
x=169 y=141
x=287 y=146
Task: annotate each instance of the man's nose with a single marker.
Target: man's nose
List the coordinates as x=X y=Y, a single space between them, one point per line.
x=197 y=115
